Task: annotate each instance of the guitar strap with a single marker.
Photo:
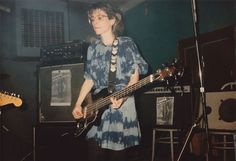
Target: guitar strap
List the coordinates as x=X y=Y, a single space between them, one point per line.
x=113 y=67
x=111 y=81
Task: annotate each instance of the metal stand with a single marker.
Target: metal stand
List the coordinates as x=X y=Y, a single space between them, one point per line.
x=202 y=89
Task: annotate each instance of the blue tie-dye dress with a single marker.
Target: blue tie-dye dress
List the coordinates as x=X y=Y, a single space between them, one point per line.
x=119 y=128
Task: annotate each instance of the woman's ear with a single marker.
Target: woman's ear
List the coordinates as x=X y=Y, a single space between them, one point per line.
x=112 y=21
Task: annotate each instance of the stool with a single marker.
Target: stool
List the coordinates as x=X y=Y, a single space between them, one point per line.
x=170 y=139
x=227 y=142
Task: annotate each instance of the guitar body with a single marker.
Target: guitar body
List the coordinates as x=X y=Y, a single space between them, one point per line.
x=92 y=117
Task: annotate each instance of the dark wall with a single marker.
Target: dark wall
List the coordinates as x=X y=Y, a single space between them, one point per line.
x=79 y=27
x=166 y=22
x=8 y=32
x=156 y=33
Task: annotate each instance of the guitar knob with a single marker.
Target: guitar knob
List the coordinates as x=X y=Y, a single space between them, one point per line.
x=175 y=77
x=78 y=125
x=167 y=82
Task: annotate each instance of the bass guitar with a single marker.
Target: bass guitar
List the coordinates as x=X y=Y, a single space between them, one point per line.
x=6 y=98
x=92 y=112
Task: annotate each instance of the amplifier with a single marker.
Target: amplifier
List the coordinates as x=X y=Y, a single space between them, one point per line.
x=167 y=106
x=58 y=88
x=70 y=52
x=174 y=89
x=223 y=108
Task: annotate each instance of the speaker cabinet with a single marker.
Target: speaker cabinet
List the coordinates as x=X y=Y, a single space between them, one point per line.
x=59 y=88
x=164 y=107
x=223 y=110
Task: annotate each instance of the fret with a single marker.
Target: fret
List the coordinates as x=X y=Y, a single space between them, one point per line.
x=126 y=91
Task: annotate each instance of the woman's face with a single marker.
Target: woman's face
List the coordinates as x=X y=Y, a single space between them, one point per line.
x=101 y=23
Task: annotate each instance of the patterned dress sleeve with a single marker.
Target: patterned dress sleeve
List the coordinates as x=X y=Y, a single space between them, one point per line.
x=87 y=70
x=134 y=59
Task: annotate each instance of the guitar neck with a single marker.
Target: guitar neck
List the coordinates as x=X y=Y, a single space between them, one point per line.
x=120 y=94
x=130 y=89
x=159 y=75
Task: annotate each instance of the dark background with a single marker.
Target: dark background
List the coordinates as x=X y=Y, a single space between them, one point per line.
x=157 y=26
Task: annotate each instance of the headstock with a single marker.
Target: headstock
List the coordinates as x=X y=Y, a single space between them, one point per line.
x=7 y=98
x=172 y=70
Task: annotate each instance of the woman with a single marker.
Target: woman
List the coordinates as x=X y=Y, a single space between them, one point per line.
x=111 y=58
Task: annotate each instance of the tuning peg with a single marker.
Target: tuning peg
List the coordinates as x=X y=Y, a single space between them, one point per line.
x=175 y=60
x=181 y=72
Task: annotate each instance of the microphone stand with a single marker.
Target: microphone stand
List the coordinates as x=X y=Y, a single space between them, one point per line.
x=202 y=89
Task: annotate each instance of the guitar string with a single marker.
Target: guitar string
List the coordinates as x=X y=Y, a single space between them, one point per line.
x=102 y=102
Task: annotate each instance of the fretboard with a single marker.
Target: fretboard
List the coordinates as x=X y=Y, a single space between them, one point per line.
x=119 y=94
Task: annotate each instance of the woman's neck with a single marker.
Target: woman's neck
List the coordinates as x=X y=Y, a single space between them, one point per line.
x=107 y=39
